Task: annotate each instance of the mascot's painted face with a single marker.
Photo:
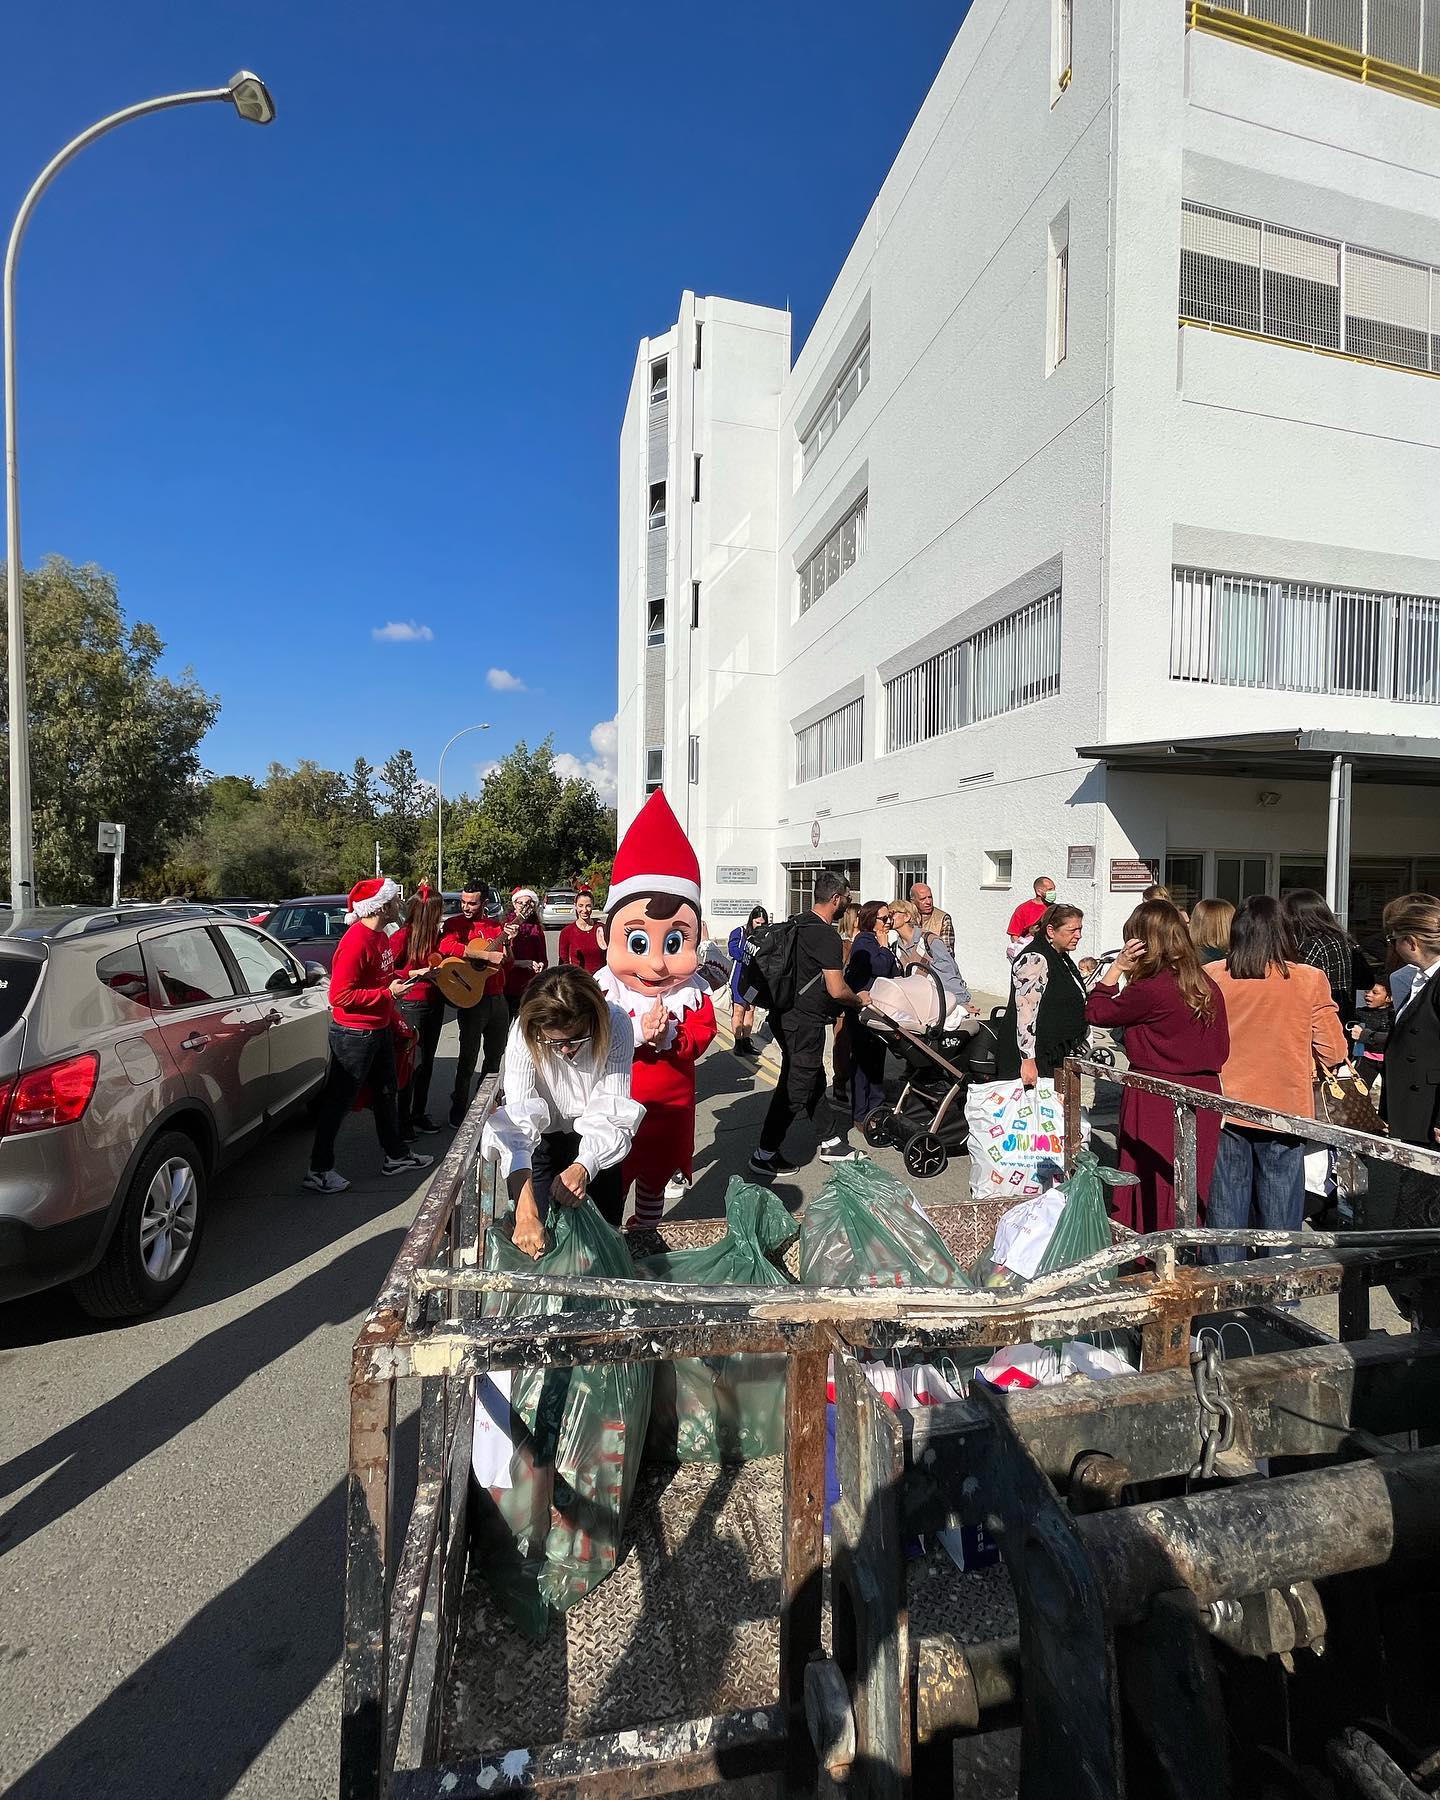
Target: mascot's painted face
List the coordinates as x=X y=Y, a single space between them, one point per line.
x=652 y=956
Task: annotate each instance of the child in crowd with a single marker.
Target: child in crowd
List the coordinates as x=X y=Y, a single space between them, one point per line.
x=1371 y=1030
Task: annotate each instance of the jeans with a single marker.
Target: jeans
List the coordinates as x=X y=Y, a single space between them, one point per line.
x=357 y=1058
x=556 y=1151
x=424 y=1017
x=482 y=1026
x=801 y=1087
x=1259 y=1183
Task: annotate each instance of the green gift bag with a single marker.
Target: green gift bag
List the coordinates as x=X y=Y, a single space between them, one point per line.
x=866 y=1229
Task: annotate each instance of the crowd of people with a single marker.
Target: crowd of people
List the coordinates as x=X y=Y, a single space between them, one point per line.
x=1250 y=1003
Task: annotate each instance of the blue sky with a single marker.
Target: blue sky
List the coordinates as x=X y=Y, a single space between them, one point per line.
x=366 y=367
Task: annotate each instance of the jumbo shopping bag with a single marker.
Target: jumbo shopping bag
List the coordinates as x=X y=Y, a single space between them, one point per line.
x=551 y=1528
x=1053 y=1230
x=724 y=1408
x=866 y=1229
x=1017 y=1139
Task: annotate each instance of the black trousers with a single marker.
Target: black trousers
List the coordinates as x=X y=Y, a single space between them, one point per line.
x=357 y=1058
x=556 y=1151
x=483 y=1026
x=424 y=1017
x=801 y=1087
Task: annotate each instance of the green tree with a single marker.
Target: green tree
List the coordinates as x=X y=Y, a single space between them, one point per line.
x=531 y=823
x=110 y=737
x=363 y=804
x=405 y=801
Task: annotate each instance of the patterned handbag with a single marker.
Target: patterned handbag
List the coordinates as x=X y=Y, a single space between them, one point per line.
x=1342 y=1097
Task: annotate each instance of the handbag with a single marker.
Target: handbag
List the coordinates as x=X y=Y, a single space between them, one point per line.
x=1342 y=1097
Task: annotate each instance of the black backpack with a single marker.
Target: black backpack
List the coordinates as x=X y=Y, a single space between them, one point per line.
x=769 y=977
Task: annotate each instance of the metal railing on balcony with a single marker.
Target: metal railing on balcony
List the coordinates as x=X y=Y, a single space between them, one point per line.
x=1250 y=631
x=1390 y=44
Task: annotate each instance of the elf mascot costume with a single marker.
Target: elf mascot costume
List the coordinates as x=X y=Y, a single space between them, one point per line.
x=651 y=938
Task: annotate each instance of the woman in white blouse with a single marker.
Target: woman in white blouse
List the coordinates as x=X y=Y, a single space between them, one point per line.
x=568 y=1120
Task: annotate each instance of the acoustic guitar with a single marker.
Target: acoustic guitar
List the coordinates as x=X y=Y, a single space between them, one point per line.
x=465 y=980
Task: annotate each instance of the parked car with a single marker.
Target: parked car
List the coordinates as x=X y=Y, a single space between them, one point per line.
x=139 y=1053
x=558 y=907
x=310 y=927
x=253 y=910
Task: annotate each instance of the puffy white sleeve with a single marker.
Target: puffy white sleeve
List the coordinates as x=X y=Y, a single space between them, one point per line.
x=610 y=1117
x=513 y=1130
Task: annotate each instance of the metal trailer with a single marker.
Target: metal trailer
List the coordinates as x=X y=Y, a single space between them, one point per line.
x=1182 y=1544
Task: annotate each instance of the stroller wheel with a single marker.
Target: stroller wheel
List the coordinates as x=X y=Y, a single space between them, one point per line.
x=1105 y=1058
x=877 y=1128
x=925 y=1155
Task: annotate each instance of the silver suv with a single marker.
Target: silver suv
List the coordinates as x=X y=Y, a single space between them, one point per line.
x=139 y=1051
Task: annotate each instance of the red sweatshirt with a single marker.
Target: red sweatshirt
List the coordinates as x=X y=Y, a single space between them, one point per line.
x=581 y=949
x=360 y=978
x=528 y=946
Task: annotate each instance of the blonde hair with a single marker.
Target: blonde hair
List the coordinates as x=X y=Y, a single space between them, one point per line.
x=848 y=923
x=565 y=1000
x=904 y=909
x=1415 y=916
x=1210 y=924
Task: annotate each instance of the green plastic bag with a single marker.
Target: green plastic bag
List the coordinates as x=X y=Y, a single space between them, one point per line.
x=866 y=1229
x=578 y=1436
x=724 y=1408
x=1082 y=1228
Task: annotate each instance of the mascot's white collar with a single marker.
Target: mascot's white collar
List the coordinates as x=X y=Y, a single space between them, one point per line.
x=637 y=1002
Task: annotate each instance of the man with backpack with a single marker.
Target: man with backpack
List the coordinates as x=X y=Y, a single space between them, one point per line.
x=795 y=967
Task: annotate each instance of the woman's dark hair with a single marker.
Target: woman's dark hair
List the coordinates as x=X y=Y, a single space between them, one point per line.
x=870 y=912
x=758 y=916
x=423 y=919
x=565 y=999
x=1309 y=917
x=1260 y=940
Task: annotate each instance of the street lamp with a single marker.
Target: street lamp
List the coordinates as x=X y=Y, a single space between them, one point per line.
x=250 y=97
x=440 y=808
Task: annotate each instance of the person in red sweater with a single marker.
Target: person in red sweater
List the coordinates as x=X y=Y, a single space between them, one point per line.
x=482 y=1026
x=1028 y=914
x=652 y=956
x=580 y=944
x=525 y=940
x=363 y=991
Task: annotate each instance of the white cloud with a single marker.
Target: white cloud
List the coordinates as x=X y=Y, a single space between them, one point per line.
x=403 y=631
x=503 y=682
x=482 y=770
x=598 y=769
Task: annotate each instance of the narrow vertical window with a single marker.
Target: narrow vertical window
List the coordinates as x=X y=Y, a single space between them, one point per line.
x=695 y=488
x=1058 y=293
x=657 y=506
x=694 y=605
x=1061 y=48
x=699 y=340
x=659 y=381
x=654 y=767
x=655 y=621
x=694 y=769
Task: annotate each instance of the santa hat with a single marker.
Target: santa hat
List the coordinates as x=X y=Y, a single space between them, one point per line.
x=655 y=857
x=519 y=894
x=370 y=896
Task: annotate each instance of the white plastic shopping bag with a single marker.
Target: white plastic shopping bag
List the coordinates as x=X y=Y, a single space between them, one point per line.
x=1043 y=1365
x=904 y=1389
x=1017 y=1139
x=490 y=1457
x=1023 y=1235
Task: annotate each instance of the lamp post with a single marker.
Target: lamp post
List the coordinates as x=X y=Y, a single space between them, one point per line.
x=250 y=97
x=440 y=808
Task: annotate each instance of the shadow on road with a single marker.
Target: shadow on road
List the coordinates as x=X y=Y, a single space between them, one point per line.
x=86 y=1455
x=195 y=1715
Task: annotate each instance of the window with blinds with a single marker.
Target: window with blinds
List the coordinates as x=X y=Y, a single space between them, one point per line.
x=834 y=742
x=1251 y=631
x=840 y=551
x=854 y=379
x=1010 y=664
x=1302 y=289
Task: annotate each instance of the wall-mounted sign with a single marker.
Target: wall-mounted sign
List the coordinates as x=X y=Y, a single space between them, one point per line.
x=1130 y=876
x=815 y=835
x=731 y=909
x=1080 y=862
x=736 y=875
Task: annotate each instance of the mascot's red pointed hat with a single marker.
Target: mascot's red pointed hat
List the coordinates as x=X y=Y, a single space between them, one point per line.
x=655 y=857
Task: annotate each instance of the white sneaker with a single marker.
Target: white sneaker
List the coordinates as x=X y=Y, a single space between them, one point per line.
x=325 y=1181
x=406 y=1164
x=676 y=1189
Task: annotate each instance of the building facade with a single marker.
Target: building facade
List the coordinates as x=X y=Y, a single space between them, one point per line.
x=1093 y=532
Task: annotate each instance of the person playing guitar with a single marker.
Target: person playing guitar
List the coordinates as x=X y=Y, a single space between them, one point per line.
x=483 y=1022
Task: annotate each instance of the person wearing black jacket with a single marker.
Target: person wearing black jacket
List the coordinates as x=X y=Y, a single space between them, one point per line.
x=1044 y=1021
x=1323 y=942
x=1410 y=1092
x=871 y=958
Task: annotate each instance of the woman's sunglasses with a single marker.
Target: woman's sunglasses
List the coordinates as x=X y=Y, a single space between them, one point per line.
x=568 y=1043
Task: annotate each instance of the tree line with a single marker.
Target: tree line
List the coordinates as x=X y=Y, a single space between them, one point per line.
x=111 y=738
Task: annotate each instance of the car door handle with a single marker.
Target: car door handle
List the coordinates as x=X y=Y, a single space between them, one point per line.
x=272 y=1017
x=197 y=1040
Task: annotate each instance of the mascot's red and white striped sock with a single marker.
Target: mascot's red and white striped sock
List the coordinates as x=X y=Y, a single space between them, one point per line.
x=649 y=1207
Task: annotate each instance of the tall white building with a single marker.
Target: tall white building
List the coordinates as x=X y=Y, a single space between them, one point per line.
x=1097 y=523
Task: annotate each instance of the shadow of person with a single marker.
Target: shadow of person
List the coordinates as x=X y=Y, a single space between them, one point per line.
x=198 y=1712
x=87 y=1455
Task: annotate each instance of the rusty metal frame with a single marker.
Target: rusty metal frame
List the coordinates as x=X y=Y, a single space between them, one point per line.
x=403 y=1581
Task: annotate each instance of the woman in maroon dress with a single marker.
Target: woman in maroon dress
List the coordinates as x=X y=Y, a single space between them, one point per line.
x=1173 y=1017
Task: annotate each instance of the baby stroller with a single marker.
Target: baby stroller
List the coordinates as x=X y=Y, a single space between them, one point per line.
x=941 y=1064
x=1107 y=1042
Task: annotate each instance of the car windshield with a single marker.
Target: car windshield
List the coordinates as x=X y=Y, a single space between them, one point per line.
x=560 y=897
x=18 y=975
x=291 y=923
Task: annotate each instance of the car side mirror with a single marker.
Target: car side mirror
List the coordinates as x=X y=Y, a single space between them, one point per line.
x=315 y=973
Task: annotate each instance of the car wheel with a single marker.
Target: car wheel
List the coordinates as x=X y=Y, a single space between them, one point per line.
x=153 y=1247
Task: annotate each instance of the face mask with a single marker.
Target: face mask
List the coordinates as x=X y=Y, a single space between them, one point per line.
x=1047 y=899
